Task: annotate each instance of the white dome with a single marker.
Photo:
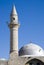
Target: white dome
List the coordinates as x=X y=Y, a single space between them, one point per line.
x=31 y=50
x=3 y=59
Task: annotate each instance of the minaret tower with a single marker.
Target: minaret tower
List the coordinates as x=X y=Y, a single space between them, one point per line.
x=13 y=25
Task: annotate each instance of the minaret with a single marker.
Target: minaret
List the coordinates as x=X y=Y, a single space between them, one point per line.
x=14 y=25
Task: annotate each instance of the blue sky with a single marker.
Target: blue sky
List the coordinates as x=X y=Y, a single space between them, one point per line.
x=31 y=19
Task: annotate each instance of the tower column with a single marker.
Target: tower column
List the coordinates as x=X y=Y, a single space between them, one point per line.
x=14 y=25
x=14 y=38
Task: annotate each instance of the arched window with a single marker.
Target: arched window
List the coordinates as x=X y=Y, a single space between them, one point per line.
x=34 y=62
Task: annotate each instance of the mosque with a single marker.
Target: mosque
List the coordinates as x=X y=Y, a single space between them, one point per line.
x=30 y=54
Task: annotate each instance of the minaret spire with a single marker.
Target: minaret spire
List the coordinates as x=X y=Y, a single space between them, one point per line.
x=13 y=15
x=13 y=12
x=14 y=25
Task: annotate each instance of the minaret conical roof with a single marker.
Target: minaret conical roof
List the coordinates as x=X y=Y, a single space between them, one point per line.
x=13 y=12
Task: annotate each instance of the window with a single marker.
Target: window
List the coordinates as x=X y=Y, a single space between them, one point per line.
x=13 y=18
x=38 y=63
x=31 y=64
